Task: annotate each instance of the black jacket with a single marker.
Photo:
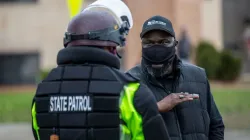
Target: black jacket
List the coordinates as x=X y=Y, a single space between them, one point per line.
x=193 y=120
x=92 y=74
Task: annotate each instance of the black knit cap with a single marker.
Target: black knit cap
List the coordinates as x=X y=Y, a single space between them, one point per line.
x=157 y=23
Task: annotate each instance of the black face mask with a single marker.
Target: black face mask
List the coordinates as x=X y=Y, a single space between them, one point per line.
x=156 y=55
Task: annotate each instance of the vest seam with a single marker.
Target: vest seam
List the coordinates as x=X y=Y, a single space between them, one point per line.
x=57 y=115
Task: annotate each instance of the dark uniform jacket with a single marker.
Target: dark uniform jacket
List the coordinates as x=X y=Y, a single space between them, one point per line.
x=87 y=98
x=193 y=120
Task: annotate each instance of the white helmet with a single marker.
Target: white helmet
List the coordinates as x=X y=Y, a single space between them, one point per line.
x=117 y=8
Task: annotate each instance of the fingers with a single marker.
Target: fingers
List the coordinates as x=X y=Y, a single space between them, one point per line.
x=184 y=96
x=178 y=96
x=182 y=93
x=196 y=96
x=181 y=96
x=186 y=99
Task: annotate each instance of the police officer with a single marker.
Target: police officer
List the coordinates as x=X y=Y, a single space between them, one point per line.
x=86 y=97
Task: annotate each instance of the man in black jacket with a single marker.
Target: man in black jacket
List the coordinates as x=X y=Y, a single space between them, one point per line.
x=181 y=89
x=86 y=97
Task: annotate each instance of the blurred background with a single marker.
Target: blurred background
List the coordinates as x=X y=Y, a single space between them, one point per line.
x=213 y=34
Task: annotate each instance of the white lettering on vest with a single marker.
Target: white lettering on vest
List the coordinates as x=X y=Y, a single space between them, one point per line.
x=70 y=103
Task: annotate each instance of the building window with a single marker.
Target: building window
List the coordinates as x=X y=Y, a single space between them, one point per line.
x=16 y=1
x=19 y=68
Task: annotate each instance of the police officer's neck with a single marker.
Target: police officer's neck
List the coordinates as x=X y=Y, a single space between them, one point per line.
x=87 y=54
x=110 y=49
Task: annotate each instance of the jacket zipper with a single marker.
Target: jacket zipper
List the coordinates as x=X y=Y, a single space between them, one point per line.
x=173 y=91
x=176 y=79
x=175 y=112
x=177 y=122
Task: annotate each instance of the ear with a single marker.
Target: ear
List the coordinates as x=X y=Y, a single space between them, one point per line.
x=176 y=43
x=142 y=41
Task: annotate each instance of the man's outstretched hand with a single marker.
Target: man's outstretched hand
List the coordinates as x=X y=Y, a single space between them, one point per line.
x=170 y=101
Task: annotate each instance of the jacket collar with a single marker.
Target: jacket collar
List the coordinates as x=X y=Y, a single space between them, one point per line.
x=87 y=54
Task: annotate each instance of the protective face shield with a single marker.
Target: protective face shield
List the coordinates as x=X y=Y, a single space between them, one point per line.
x=121 y=14
x=117 y=8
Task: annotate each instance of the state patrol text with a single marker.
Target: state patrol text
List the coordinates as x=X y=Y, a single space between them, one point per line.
x=70 y=103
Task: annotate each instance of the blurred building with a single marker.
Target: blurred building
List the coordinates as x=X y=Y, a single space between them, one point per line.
x=31 y=31
x=211 y=22
x=180 y=12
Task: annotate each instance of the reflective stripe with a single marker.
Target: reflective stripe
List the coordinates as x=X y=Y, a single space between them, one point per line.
x=129 y=114
x=35 y=125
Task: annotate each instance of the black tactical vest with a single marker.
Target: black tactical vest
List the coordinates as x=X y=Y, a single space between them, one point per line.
x=80 y=102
